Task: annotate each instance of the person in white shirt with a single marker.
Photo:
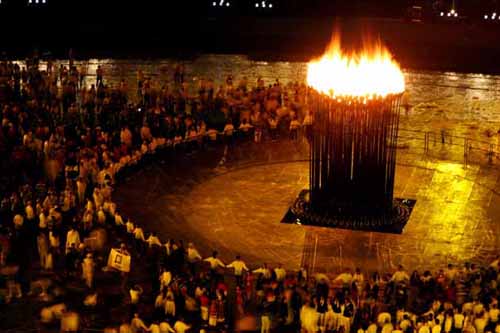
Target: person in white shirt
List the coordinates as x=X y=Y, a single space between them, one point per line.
x=451 y=273
x=228 y=132
x=212 y=134
x=469 y=326
x=153 y=240
x=72 y=239
x=90 y=206
x=30 y=213
x=467 y=308
x=245 y=129
x=448 y=322
x=180 y=326
x=169 y=304
x=458 y=320
x=166 y=328
x=358 y=279
x=405 y=323
x=372 y=328
x=239 y=267
x=496 y=263
x=42 y=220
x=264 y=270
x=126 y=137
x=118 y=219
x=43 y=248
x=423 y=328
x=165 y=279
x=493 y=314
x=137 y=324
x=135 y=293
x=382 y=318
x=280 y=273
x=309 y=318
x=437 y=327
x=192 y=254
x=139 y=240
x=129 y=226
x=387 y=327
x=124 y=328
x=101 y=217
x=400 y=275
x=88 y=268
x=81 y=187
x=345 y=278
x=480 y=322
x=154 y=327
x=477 y=308
x=214 y=261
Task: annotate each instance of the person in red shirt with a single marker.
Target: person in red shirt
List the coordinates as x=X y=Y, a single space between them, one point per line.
x=248 y=286
x=222 y=288
x=204 y=304
x=212 y=319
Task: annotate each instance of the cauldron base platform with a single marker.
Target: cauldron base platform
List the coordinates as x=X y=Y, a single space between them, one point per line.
x=300 y=213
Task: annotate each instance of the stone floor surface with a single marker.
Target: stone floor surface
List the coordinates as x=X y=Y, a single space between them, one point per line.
x=237 y=209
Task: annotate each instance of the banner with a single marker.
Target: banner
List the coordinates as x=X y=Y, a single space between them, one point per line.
x=119 y=261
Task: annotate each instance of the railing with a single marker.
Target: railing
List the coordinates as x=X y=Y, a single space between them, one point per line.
x=445 y=145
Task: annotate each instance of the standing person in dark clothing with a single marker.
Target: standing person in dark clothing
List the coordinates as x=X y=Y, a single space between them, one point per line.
x=348 y=314
x=266 y=309
x=178 y=256
x=322 y=289
x=322 y=308
x=71 y=258
x=179 y=74
x=99 y=76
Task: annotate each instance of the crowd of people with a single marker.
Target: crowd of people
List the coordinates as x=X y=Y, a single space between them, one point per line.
x=66 y=246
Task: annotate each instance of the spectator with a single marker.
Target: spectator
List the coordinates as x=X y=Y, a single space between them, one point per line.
x=88 y=267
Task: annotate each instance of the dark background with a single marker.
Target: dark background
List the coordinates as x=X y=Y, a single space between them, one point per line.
x=114 y=10
x=292 y=29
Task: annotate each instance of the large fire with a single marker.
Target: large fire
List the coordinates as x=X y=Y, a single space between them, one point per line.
x=370 y=73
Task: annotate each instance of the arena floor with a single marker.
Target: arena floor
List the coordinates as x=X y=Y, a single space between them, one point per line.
x=237 y=209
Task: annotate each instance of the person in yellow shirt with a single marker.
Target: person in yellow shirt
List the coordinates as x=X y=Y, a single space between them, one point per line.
x=239 y=267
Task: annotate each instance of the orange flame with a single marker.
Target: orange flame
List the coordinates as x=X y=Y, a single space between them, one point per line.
x=370 y=73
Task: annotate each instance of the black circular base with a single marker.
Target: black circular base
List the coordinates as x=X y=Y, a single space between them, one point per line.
x=301 y=212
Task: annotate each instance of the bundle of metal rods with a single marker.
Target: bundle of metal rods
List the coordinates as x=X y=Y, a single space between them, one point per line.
x=353 y=154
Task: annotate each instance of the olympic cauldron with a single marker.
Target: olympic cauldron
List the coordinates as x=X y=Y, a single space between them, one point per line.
x=355 y=102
